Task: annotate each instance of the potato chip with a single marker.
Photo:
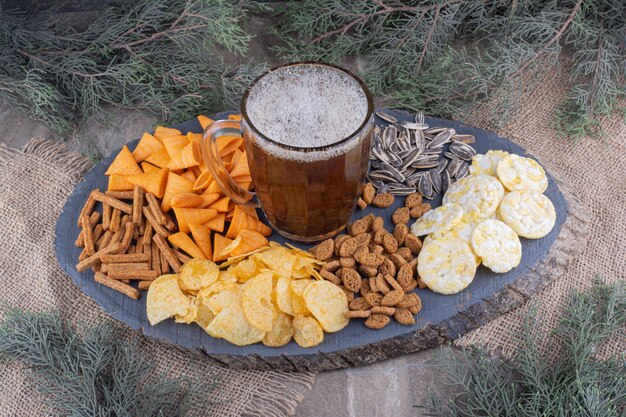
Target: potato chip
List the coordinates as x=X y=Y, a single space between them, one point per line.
x=207 y=292
x=297 y=301
x=497 y=244
x=307 y=332
x=257 y=301
x=282 y=330
x=245 y=269
x=204 y=315
x=284 y=295
x=226 y=276
x=231 y=324
x=222 y=299
x=197 y=274
x=279 y=259
x=192 y=312
x=165 y=299
x=328 y=304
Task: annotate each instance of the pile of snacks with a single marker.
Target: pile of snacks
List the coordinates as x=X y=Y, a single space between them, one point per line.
x=175 y=204
x=127 y=241
x=173 y=170
x=376 y=268
x=479 y=223
x=268 y=296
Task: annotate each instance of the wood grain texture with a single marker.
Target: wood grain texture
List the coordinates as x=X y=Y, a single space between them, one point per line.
x=442 y=319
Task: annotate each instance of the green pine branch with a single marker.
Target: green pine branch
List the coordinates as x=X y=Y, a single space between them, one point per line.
x=415 y=52
x=95 y=372
x=534 y=383
x=159 y=57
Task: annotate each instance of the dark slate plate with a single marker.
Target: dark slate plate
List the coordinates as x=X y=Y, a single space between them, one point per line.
x=443 y=317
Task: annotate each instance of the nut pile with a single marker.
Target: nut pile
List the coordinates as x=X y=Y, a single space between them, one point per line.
x=377 y=269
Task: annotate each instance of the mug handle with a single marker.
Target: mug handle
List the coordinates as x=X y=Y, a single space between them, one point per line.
x=216 y=167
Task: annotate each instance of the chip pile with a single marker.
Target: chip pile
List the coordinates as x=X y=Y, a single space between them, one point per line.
x=270 y=296
x=481 y=219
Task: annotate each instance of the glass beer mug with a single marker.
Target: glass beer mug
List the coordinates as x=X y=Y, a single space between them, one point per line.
x=307 y=130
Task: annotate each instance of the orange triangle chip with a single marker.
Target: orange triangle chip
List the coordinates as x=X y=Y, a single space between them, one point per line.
x=241 y=168
x=160 y=158
x=234 y=117
x=175 y=144
x=204 y=121
x=147 y=145
x=217 y=222
x=202 y=181
x=184 y=242
x=162 y=132
x=123 y=164
x=219 y=244
x=221 y=205
x=250 y=241
x=147 y=167
x=153 y=182
x=175 y=185
x=193 y=200
x=186 y=216
x=189 y=156
x=188 y=175
x=195 y=137
x=202 y=236
x=119 y=183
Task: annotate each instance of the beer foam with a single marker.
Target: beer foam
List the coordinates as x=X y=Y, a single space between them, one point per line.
x=307 y=106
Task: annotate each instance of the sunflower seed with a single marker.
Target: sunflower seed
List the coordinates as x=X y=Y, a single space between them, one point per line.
x=441 y=138
x=407 y=155
x=453 y=166
x=468 y=139
x=425 y=186
x=435 y=178
x=435 y=130
x=415 y=126
x=462 y=171
x=410 y=158
x=462 y=150
x=441 y=166
x=401 y=190
x=445 y=181
x=386 y=117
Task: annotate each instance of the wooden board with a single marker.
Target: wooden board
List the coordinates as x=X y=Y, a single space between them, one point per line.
x=443 y=318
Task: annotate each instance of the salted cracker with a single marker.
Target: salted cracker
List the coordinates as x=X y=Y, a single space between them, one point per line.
x=487 y=163
x=497 y=244
x=438 y=220
x=446 y=265
x=530 y=215
x=478 y=195
x=522 y=174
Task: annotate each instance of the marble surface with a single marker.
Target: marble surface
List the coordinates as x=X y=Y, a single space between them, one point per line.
x=399 y=387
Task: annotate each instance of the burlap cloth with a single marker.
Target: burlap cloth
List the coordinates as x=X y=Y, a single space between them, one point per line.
x=595 y=169
x=34 y=185
x=35 y=182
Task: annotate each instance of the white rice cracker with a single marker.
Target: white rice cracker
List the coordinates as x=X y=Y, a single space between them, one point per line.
x=438 y=220
x=446 y=266
x=478 y=195
x=462 y=231
x=497 y=244
x=530 y=215
x=487 y=163
x=522 y=174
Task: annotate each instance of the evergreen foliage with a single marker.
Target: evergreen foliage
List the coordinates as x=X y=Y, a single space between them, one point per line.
x=575 y=383
x=158 y=56
x=96 y=373
x=442 y=56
